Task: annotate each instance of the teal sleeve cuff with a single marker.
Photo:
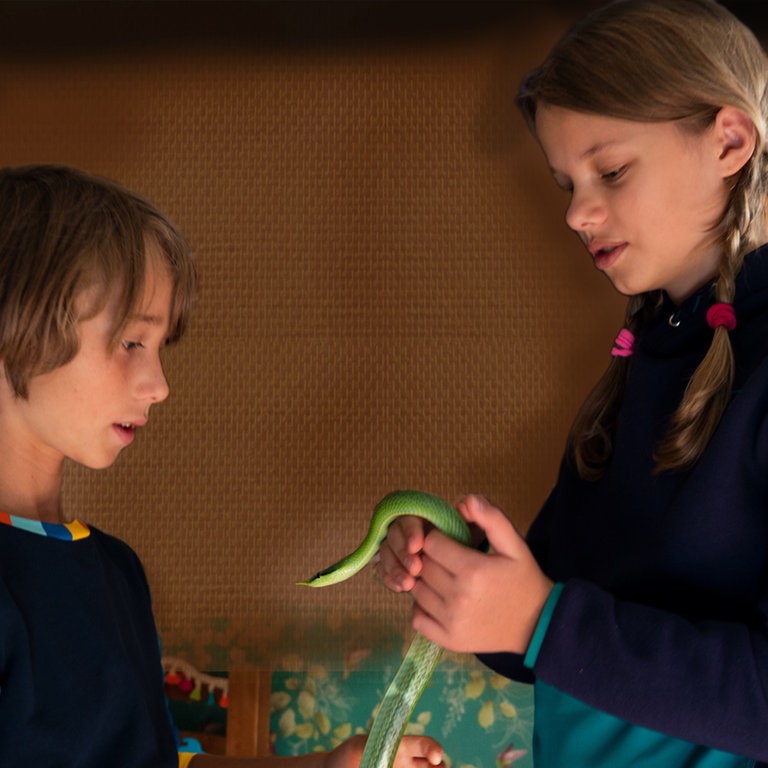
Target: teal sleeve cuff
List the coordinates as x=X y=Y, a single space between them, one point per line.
x=542 y=626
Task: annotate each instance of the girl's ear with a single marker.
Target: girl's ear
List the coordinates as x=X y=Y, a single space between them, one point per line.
x=736 y=136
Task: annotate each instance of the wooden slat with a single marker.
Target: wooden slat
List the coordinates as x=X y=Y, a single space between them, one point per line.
x=248 y=711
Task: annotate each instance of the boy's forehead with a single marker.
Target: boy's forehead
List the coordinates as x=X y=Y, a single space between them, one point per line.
x=154 y=306
x=153 y=300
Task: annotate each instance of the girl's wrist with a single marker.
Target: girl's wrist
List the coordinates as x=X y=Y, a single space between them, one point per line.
x=542 y=625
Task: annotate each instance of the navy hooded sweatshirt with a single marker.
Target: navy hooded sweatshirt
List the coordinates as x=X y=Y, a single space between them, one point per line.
x=653 y=647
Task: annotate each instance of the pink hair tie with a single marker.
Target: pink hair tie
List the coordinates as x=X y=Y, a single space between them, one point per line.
x=624 y=345
x=721 y=314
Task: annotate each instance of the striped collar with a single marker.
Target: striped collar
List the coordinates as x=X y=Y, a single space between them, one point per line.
x=63 y=531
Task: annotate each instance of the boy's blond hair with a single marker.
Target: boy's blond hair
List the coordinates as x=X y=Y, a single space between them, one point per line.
x=62 y=232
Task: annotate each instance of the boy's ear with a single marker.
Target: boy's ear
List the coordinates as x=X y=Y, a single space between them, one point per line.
x=736 y=136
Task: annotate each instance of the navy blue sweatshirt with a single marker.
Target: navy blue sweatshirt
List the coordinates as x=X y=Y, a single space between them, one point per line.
x=81 y=682
x=660 y=617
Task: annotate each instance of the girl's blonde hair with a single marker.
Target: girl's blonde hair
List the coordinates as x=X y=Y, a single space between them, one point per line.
x=682 y=61
x=62 y=232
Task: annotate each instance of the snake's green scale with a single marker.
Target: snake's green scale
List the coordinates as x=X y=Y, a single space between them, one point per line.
x=423 y=655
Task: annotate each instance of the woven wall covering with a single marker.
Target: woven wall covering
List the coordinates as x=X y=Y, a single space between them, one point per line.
x=389 y=299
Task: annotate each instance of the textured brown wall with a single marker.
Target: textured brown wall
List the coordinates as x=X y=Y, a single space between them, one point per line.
x=389 y=299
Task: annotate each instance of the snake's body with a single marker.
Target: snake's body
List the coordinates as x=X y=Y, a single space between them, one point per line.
x=423 y=655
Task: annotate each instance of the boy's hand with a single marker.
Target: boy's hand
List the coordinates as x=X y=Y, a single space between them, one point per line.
x=419 y=752
x=414 y=752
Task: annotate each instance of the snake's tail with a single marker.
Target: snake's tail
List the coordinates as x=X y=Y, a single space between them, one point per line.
x=399 y=701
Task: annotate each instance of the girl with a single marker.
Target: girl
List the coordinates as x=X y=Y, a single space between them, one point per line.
x=639 y=603
x=94 y=283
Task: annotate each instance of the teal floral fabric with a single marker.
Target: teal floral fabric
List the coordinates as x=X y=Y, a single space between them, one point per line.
x=482 y=719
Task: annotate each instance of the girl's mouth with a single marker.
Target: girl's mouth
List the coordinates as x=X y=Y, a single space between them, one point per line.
x=606 y=256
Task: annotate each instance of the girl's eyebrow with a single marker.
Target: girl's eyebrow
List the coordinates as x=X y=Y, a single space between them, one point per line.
x=597 y=147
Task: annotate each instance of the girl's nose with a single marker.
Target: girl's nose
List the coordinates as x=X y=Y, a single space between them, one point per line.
x=586 y=210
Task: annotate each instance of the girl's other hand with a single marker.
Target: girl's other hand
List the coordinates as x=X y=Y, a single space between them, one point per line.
x=399 y=560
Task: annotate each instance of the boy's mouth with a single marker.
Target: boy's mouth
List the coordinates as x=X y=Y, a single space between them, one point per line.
x=126 y=431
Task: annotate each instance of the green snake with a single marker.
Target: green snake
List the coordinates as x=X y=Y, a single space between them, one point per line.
x=423 y=655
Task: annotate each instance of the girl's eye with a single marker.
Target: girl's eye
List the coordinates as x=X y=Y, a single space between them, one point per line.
x=614 y=175
x=130 y=345
x=563 y=182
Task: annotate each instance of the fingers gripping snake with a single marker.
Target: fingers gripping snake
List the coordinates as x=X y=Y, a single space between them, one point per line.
x=423 y=655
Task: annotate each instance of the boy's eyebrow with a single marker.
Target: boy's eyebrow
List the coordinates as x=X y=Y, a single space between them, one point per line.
x=148 y=319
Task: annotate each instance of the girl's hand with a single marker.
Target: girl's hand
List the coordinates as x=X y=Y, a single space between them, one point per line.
x=414 y=752
x=399 y=560
x=468 y=601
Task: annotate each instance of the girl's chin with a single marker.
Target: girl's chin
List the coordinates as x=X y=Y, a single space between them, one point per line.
x=621 y=287
x=626 y=287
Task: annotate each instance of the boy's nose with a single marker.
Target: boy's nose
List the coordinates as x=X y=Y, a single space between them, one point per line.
x=154 y=384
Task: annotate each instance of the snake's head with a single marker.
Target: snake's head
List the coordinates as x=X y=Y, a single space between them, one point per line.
x=320 y=579
x=333 y=574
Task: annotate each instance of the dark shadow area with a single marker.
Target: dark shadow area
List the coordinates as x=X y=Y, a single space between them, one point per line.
x=39 y=27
